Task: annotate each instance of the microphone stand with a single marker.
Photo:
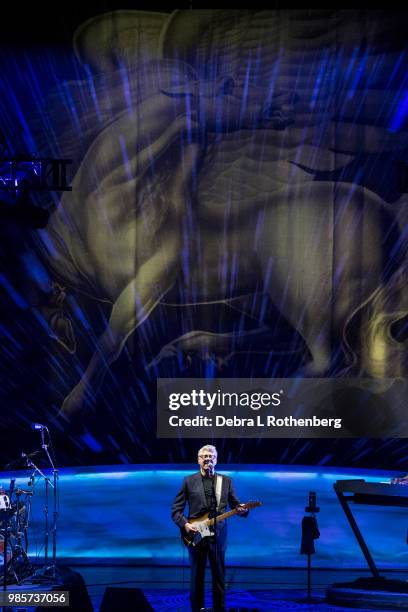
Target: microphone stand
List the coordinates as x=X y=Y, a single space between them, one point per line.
x=48 y=483
x=50 y=571
x=53 y=567
x=214 y=511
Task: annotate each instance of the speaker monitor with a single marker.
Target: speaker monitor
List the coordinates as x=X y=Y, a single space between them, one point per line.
x=79 y=600
x=124 y=600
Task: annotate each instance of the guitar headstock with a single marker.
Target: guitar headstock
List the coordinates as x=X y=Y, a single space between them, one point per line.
x=252 y=504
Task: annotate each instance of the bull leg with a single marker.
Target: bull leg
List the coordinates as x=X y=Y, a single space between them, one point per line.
x=154 y=278
x=325 y=260
x=295 y=250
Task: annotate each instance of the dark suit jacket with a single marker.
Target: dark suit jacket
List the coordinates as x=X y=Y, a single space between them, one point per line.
x=192 y=494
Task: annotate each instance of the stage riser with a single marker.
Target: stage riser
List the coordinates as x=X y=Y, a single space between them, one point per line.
x=136 y=503
x=364 y=599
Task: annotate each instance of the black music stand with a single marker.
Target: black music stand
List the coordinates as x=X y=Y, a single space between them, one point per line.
x=310 y=532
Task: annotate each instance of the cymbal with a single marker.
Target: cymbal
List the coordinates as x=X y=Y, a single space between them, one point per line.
x=21 y=461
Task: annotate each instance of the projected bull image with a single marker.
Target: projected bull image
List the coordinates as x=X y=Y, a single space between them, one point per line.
x=238 y=203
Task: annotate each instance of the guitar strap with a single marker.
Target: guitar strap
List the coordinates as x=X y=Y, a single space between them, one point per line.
x=218 y=488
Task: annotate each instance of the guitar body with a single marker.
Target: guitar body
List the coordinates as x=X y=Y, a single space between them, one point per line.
x=191 y=539
x=194 y=538
x=203 y=524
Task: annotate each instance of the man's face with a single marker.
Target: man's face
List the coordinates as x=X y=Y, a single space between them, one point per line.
x=207 y=459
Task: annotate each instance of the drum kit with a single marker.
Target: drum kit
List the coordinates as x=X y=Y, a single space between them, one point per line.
x=15 y=513
x=15 y=519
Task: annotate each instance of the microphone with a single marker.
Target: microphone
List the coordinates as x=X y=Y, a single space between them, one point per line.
x=38 y=426
x=210 y=466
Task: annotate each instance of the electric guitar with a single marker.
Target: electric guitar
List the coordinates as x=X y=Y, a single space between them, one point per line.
x=203 y=524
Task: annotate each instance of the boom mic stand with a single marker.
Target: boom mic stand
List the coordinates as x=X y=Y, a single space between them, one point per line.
x=49 y=571
x=213 y=514
x=214 y=511
x=31 y=464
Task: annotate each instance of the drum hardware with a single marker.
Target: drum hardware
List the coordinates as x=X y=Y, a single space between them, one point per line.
x=6 y=521
x=23 y=492
x=6 y=557
x=18 y=566
x=4 y=501
x=15 y=510
x=14 y=517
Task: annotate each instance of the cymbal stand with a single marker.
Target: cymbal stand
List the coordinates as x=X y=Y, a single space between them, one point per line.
x=48 y=483
x=50 y=571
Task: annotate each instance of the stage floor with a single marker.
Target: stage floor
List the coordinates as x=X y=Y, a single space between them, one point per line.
x=166 y=588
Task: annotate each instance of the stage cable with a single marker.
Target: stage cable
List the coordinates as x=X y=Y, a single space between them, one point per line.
x=183 y=569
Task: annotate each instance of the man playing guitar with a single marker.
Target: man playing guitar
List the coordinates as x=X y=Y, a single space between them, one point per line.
x=203 y=491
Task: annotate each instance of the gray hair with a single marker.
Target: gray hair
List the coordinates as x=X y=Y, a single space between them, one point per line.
x=209 y=447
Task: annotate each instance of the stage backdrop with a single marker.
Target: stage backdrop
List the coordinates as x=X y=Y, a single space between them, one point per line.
x=123 y=515
x=238 y=208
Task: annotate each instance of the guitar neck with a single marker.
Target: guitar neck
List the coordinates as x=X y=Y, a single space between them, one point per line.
x=221 y=517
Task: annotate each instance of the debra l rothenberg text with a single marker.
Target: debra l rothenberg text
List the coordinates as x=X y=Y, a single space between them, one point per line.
x=268 y=421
